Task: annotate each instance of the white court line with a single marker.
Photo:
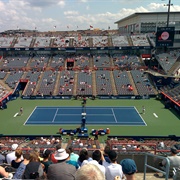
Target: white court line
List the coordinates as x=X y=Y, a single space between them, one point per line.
x=114 y=115
x=55 y=115
x=86 y=114
x=30 y=115
x=140 y=116
x=155 y=115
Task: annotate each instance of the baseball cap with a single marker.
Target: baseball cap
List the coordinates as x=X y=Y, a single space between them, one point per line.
x=128 y=166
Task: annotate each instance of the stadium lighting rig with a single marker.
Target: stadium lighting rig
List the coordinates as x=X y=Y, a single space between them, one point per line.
x=169 y=7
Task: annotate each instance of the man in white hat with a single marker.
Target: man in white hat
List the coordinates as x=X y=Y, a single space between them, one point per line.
x=61 y=170
x=11 y=156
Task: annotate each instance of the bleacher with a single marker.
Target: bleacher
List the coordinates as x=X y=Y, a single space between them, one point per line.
x=66 y=86
x=23 y=42
x=48 y=83
x=140 y=40
x=15 y=62
x=13 y=78
x=120 y=41
x=100 y=41
x=84 y=83
x=6 y=42
x=101 y=61
x=122 y=83
x=142 y=83
x=103 y=83
x=42 y=42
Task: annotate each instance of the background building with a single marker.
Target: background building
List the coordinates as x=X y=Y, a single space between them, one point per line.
x=147 y=22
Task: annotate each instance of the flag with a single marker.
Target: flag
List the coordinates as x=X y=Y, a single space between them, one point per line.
x=126 y=26
x=77 y=27
x=68 y=27
x=109 y=27
x=35 y=27
x=54 y=27
x=91 y=26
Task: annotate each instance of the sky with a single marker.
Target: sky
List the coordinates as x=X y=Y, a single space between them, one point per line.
x=62 y=15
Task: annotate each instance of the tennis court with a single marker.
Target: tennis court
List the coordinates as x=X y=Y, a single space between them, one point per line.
x=125 y=116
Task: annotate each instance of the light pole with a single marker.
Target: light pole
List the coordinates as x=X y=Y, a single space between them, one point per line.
x=169 y=7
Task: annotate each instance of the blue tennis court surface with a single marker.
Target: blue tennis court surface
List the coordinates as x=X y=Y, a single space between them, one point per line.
x=94 y=116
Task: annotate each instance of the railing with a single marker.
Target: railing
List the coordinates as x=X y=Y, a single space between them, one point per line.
x=166 y=172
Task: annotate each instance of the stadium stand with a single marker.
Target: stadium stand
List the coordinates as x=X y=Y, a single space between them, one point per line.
x=23 y=42
x=120 y=41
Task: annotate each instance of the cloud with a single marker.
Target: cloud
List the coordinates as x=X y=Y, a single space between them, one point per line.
x=71 y=13
x=45 y=14
x=42 y=3
x=84 y=1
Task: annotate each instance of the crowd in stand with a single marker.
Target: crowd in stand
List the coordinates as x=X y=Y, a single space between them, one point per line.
x=64 y=164
x=45 y=158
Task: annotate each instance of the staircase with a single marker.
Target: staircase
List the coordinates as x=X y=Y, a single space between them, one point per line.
x=90 y=42
x=132 y=83
x=24 y=75
x=130 y=40
x=14 y=42
x=175 y=66
x=110 y=43
x=94 y=83
x=32 y=43
x=114 y=91
x=57 y=84
x=38 y=83
x=51 y=42
x=75 y=83
x=91 y=64
x=5 y=86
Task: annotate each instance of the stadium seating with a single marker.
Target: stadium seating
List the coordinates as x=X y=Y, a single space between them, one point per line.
x=48 y=83
x=84 y=83
x=103 y=83
x=140 y=40
x=16 y=62
x=101 y=61
x=13 y=78
x=143 y=85
x=23 y=42
x=120 y=41
x=66 y=86
x=122 y=83
x=6 y=42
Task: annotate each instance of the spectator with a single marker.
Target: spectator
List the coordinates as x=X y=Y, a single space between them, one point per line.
x=112 y=169
x=105 y=154
x=2 y=158
x=20 y=171
x=173 y=159
x=129 y=168
x=15 y=163
x=69 y=161
x=89 y=172
x=96 y=156
x=5 y=174
x=52 y=155
x=45 y=161
x=34 y=168
x=61 y=170
x=11 y=156
x=37 y=151
x=83 y=155
x=73 y=156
